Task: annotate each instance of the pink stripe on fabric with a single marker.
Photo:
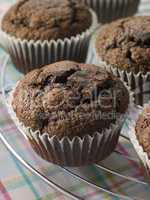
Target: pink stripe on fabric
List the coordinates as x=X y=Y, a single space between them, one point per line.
x=4 y=192
x=133 y=163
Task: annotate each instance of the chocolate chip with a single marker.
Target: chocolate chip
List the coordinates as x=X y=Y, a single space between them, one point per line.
x=102 y=90
x=73 y=13
x=63 y=77
x=60 y=78
x=86 y=101
x=16 y=21
x=144 y=39
x=108 y=84
x=74 y=100
x=57 y=21
x=113 y=45
x=129 y=56
x=25 y=22
x=42 y=120
x=48 y=80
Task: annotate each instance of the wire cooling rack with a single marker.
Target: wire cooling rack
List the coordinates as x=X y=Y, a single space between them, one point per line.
x=74 y=174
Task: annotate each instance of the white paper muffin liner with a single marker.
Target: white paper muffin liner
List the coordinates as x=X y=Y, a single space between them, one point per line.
x=131 y=123
x=27 y=55
x=109 y=10
x=72 y=152
x=139 y=83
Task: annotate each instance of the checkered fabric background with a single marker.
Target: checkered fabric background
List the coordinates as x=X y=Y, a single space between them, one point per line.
x=17 y=183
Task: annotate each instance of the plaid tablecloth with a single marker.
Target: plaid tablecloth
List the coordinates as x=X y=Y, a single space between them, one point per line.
x=17 y=183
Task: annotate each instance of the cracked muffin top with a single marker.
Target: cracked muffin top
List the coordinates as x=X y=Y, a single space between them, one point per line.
x=125 y=44
x=143 y=130
x=46 y=19
x=69 y=99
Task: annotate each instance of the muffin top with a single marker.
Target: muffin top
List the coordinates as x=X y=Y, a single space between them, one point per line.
x=143 y=129
x=125 y=44
x=69 y=99
x=46 y=19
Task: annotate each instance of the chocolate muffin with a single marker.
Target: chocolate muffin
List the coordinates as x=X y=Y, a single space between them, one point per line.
x=46 y=19
x=36 y=33
x=125 y=44
x=142 y=130
x=69 y=99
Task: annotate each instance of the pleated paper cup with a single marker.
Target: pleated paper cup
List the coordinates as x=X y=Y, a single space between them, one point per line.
x=73 y=152
x=139 y=83
x=109 y=10
x=78 y=151
x=28 y=55
x=144 y=157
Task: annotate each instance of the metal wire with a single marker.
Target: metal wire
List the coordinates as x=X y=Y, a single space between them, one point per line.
x=58 y=187
x=51 y=183
x=127 y=157
x=36 y=172
x=120 y=175
x=96 y=186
